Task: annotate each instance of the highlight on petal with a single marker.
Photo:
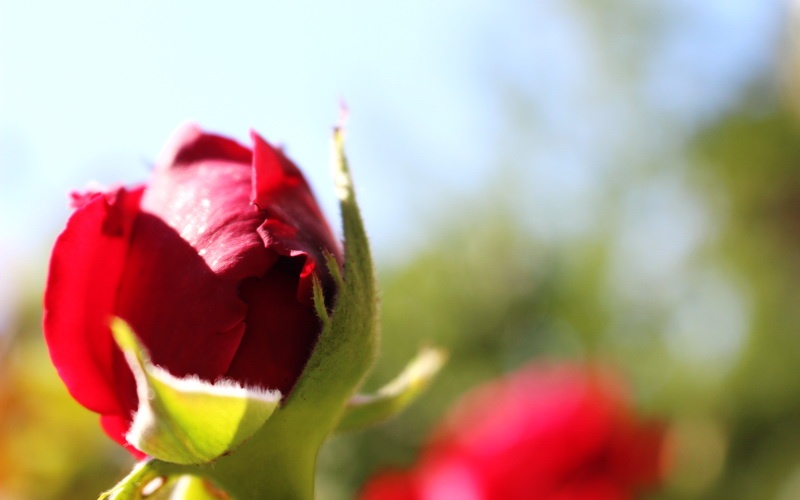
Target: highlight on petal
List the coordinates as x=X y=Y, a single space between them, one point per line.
x=366 y=410
x=187 y=420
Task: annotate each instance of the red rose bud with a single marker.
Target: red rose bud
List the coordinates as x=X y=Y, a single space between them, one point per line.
x=546 y=432
x=212 y=263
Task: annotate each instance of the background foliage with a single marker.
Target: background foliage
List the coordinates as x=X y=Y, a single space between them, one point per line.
x=656 y=233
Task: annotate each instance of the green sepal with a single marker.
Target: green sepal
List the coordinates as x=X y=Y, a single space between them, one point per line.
x=365 y=410
x=347 y=345
x=187 y=420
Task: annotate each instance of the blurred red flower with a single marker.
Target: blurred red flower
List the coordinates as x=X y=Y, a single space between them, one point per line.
x=211 y=263
x=546 y=432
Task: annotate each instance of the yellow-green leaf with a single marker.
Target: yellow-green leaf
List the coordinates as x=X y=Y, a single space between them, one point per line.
x=188 y=420
x=365 y=410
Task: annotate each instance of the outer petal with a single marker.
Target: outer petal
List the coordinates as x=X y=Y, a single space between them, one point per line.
x=87 y=263
x=189 y=144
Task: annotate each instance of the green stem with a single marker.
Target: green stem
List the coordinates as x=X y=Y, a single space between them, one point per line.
x=130 y=487
x=276 y=462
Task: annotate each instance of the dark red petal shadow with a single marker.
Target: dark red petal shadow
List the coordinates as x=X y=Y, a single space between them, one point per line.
x=281 y=331
x=295 y=224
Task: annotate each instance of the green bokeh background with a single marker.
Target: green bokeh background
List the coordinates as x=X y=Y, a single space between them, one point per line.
x=686 y=280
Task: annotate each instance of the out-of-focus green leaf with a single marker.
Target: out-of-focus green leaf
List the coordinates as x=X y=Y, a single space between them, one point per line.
x=365 y=410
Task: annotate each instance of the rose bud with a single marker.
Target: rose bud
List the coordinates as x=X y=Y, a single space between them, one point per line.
x=213 y=321
x=212 y=264
x=545 y=432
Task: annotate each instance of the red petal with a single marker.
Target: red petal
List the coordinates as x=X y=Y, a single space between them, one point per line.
x=189 y=144
x=281 y=332
x=87 y=263
x=295 y=224
x=391 y=485
x=273 y=174
x=194 y=242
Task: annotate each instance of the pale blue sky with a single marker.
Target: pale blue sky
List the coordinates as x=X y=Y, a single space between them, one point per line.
x=90 y=90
